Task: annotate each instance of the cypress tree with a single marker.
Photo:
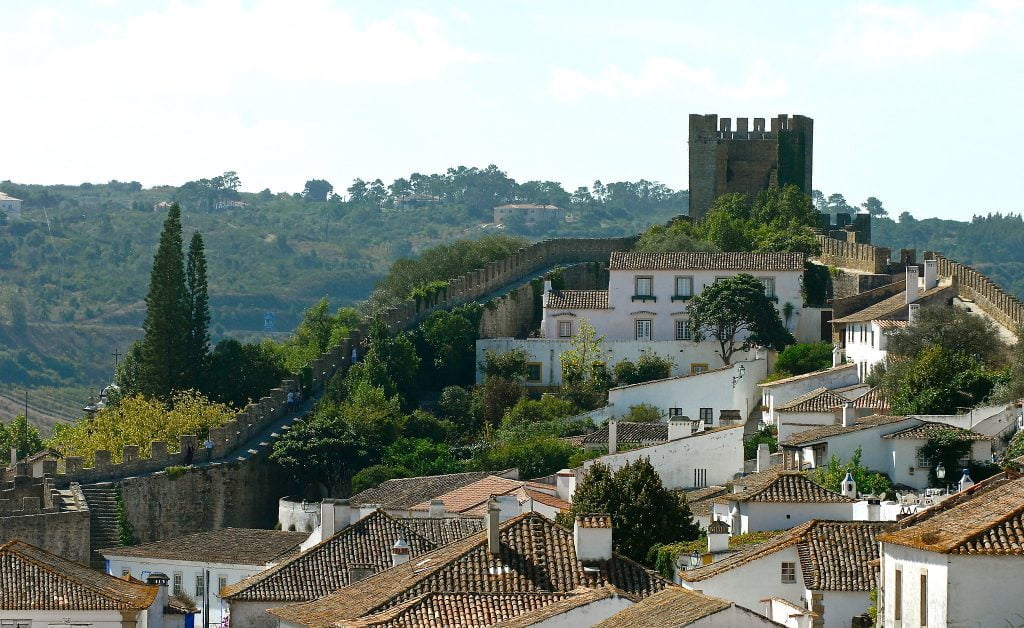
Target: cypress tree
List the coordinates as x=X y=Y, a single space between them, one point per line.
x=166 y=328
x=199 y=313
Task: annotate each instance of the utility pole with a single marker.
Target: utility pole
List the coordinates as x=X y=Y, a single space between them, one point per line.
x=26 y=404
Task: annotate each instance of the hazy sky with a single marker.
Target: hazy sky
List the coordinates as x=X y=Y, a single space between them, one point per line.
x=919 y=104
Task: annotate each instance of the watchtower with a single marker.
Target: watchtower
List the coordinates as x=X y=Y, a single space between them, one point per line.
x=747 y=160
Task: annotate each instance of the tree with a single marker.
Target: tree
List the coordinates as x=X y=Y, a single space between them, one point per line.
x=948 y=448
x=643 y=511
x=735 y=312
x=420 y=456
x=678 y=236
x=804 y=357
x=534 y=457
x=390 y=363
x=317 y=190
x=874 y=207
x=585 y=377
x=239 y=373
x=831 y=476
x=323 y=450
x=451 y=337
x=502 y=387
x=164 y=349
x=21 y=435
x=456 y=405
x=937 y=381
x=837 y=204
x=198 y=339
x=374 y=475
x=955 y=330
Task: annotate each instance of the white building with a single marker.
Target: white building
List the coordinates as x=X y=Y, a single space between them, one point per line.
x=648 y=293
x=779 y=500
x=958 y=564
x=674 y=607
x=821 y=566
x=814 y=409
x=200 y=565
x=783 y=391
x=42 y=590
x=10 y=206
x=529 y=213
x=889 y=444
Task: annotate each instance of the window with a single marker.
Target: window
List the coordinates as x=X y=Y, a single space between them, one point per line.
x=644 y=286
x=684 y=287
x=675 y=412
x=707 y=415
x=924 y=599
x=126 y=573
x=897 y=604
x=683 y=330
x=15 y=623
x=200 y=586
x=222 y=581
x=700 y=478
x=643 y=329
x=922 y=460
x=533 y=371
x=769 y=286
x=698 y=367
x=565 y=329
x=176 y=586
x=788 y=572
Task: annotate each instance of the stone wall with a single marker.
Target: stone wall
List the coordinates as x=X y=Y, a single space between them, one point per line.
x=847 y=284
x=863 y=257
x=987 y=294
x=62 y=533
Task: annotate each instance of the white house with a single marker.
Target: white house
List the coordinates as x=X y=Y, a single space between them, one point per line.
x=42 y=590
x=779 y=500
x=889 y=444
x=11 y=206
x=783 y=391
x=530 y=213
x=648 y=293
x=200 y=565
x=814 y=409
x=674 y=607
x=688 y=459
x=958 y=564
x=822 y=566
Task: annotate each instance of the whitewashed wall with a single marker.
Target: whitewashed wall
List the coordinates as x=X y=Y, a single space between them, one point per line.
x=912 y=562
x=588 y=614
x=983 y=591
x=778 y=393
x=758 y=516
x=790 y=423
x=869 y=352
x=748 y=584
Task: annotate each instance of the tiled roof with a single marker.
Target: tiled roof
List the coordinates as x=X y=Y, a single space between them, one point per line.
x=638 y=260
x=237 y=546
x=787 y=487
x=834 y=555
x=672 y=606
x=891 y=324
x=826 y=431
x=988 y=520
x=818 y=400
x=796 y=378
x=702 y=500
x=403 y=493
x=630 y=432
x=873 y=399
x=577 y=300
x=547 y=499
x=32 y=579
x=929 y=429
x=892 y=308
x=536 y=556
x=324 y=567
x=458 y=609
x=580 y=597
x=466 y=498
x=594 y=521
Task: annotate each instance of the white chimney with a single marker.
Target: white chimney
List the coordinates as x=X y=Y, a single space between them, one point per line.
x=913 y=291
x=764 y=457
x=399 y=553
x=613 y=436
x=849 y=486
x=360 y=571
x=335 y=515
x=848 y=417
x=491 y=526
x=592 y=535
x=436 y=510
x=547 y=286
x=718 y=537
x=913 y=311
x=14 y=456
x=544 y=297
x=931 y=274
x=678 y=427
x=508 y=507
x=565 y=486
x=368 y=509
x=156 y=620
x=837 y=356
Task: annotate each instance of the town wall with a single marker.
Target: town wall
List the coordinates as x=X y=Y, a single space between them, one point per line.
x=31 y=511
x=853 y=255
x=986 y=294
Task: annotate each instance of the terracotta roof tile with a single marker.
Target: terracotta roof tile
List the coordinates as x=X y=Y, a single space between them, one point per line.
x=32 y=579
x=672 y=606
x=630 y=432
x=638 y=260
x=787 y=487
x=577 y=300
x=536 y=556
x=818 y=400
x=929 y=429
x=547 y=499
x=702 y=500
x=594 y=521
x=402 y=493
x=826 y=431
x=988 y=520
x=467 y=498
x=580 y=597
x=892 y=308
x=324 y=567
x=873 y=399
x=829 y=371
x=458 y=609
x=239 y=546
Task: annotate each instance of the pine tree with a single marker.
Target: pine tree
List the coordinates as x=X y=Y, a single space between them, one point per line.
x=199 y=313
x=166 y=328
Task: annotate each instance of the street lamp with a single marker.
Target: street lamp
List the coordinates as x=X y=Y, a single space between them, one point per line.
x=735 y=378
x=694 y=559
x=940 y=472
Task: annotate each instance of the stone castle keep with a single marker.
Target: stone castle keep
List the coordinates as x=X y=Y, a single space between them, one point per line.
x=745 y=160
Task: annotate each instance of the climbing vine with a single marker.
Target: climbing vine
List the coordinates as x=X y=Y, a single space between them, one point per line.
x=125 y=530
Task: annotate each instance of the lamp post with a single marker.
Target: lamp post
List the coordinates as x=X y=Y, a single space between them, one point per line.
x=736 y=378
x=940 y=474
x=694 y=559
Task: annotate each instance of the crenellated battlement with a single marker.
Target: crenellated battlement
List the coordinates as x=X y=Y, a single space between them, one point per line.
x=710 y=127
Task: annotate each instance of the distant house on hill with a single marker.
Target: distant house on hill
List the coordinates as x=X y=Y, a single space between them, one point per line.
x=11 y=206
x=410 y=201
x=530 y=213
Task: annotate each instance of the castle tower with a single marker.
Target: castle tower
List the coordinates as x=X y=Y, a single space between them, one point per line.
x=748 y=159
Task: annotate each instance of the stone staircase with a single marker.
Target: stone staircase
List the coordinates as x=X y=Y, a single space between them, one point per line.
x=103 y=529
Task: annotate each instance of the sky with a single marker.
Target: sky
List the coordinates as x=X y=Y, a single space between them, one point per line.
x=918 y=104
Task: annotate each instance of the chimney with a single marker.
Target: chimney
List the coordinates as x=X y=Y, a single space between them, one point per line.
x=565 y=486
x=547 y=286
x=764 y=457
x=849 y=486
x=931 y=274
x=399 y=552
x=491 y=526
x=913 y=292
x=679 y=426
x=613 y=436
x=592 y=535
x=160 y=580
x=718 y=537
x=335 y=515
x=360 y=571
x=837 y=356
x=913 y=311
x=508 y=507
x=544 y=297
x=14 y=456
x=368 y=509
x=436 y=510
x=848 y=418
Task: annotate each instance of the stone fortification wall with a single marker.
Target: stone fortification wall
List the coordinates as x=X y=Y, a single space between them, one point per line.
x=863 y=257
x=31 y=511
x=987 y=294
